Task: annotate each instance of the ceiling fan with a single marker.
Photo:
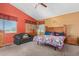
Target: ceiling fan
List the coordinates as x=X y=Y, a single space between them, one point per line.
x=44 y=5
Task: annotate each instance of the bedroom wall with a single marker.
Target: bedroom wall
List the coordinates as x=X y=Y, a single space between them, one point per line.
x=71 y=20
x=7 y=9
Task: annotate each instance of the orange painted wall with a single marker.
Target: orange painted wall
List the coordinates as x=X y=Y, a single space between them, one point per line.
x=6 y=8
x=41 y=22
x=13 y=11
x=8 y=39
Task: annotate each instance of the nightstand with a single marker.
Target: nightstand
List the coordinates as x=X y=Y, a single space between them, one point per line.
x=71 y=40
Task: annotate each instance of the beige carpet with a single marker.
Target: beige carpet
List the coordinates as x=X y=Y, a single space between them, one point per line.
x=32 y=49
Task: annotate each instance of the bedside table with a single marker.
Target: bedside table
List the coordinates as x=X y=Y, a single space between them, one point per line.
x=71 y=40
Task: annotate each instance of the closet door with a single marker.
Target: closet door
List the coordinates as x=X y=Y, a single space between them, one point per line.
x=1 y=32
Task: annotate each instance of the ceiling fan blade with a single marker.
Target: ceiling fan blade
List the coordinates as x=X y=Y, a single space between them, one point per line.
x=43 y=4
x=36 y=5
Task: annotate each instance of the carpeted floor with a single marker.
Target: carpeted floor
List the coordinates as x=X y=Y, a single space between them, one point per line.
x=32 y=49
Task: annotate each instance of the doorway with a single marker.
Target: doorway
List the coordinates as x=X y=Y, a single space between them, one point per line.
x=7 y=30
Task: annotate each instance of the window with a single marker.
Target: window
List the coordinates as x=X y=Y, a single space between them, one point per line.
x=30 y=27
x=8 y=26
x=1 y=25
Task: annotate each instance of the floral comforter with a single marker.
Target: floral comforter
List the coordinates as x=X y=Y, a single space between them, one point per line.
x=57 y=41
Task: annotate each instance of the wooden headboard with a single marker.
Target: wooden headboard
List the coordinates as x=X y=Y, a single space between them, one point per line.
x=57 y=29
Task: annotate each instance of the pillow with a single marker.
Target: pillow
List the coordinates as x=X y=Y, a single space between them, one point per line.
x=59 y=34
x=47 y=33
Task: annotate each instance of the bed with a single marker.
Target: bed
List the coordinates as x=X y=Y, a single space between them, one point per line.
x=54 y=36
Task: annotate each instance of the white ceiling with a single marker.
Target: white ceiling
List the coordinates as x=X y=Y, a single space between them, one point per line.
x=53 y=9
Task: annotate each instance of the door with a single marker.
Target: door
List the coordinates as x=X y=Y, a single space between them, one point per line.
x=10 y=29
x=41 y=29
x=7 y=31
